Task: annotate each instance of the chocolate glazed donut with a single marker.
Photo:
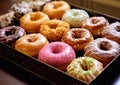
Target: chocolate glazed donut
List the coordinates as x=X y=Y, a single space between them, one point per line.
x=102 y=49
x=11 y=33
x=77 y=38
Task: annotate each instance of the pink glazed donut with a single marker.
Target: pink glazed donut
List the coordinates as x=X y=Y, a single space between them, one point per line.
x=57 y=54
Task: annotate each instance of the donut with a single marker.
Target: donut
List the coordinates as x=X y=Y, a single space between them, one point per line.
x=95 y=25
x=102 y=49
x=54 y=29
x=20 y=9
x=10 y=34
x=30 y=44
x=85 y=68
x=57 y=54
x=112 y=32
x=37 y=5
x=6 y=19
x=31 y=21
x=75 y=17
x=56 y=9
x=78 y=38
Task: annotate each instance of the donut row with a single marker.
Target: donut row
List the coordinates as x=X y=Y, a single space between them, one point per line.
x=66 y=38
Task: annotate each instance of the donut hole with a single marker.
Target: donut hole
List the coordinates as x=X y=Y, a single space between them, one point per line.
x=95 y=21
x=57 y=5
x=53 y=26
x=104 y=46
x=10 y=32
x=85 y=67
x=32 y=39
x=35 y=17
x=118 y=28
x=77 y=34
x=56 y=50
x=75 y=14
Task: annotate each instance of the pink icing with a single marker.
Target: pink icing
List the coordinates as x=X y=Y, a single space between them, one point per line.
x=57 y=54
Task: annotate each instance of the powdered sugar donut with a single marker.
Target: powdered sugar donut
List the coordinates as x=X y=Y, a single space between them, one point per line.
x=57 y=54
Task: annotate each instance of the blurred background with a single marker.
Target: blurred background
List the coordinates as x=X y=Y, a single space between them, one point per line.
x=8 y=79
x=110 y=7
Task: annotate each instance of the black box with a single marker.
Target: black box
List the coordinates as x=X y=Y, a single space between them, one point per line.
x=34 y=72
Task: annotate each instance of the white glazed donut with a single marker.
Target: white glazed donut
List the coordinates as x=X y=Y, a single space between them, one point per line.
x=57 y=54
x=75 y=17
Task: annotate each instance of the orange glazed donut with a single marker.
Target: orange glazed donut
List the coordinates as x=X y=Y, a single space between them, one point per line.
x=31 y=44
x=78 y=38
x=85 y=68
x=31 y=21
x=102 y=49
x=95 y=25
x=112 y=32
x=53 y=30
x=56 y=9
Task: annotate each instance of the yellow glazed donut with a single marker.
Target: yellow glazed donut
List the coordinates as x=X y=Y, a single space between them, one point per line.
x=31 y=44
x=53 y=30
x=56 y=9
x=31 y=21
x=85 y=68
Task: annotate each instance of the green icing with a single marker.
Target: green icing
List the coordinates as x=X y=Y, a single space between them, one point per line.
x=88 y=72
x=89 y=60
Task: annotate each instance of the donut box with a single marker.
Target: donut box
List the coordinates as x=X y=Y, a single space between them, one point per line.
x=35 y=72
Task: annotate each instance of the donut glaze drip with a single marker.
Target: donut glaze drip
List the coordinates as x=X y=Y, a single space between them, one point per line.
x=85 y=68
x=75 y=17
x=32 y=21
x=103 y=50
x=11 y=33
x=77 y=38
x=57 y=54
x=95 y=25
x=30 y=44
x=56 y=9
x=112 y=32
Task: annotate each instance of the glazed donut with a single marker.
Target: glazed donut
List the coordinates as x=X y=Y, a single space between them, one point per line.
x=54 y=29
x=20 y=9
x=75 y=17
x=78 y=38
x=57 y=54
x=112 y=32
x=30 y=44
x=37 y=5
x=85 y=68
x=56 y=9
x=6 y=19
x=11 y=33
x=95 y=25
x=102 y=49
x=31 y=21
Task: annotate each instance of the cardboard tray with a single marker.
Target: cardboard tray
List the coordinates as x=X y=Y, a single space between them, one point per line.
x=34 y=72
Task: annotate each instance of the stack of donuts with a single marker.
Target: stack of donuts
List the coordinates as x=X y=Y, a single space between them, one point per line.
x=66 y=38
